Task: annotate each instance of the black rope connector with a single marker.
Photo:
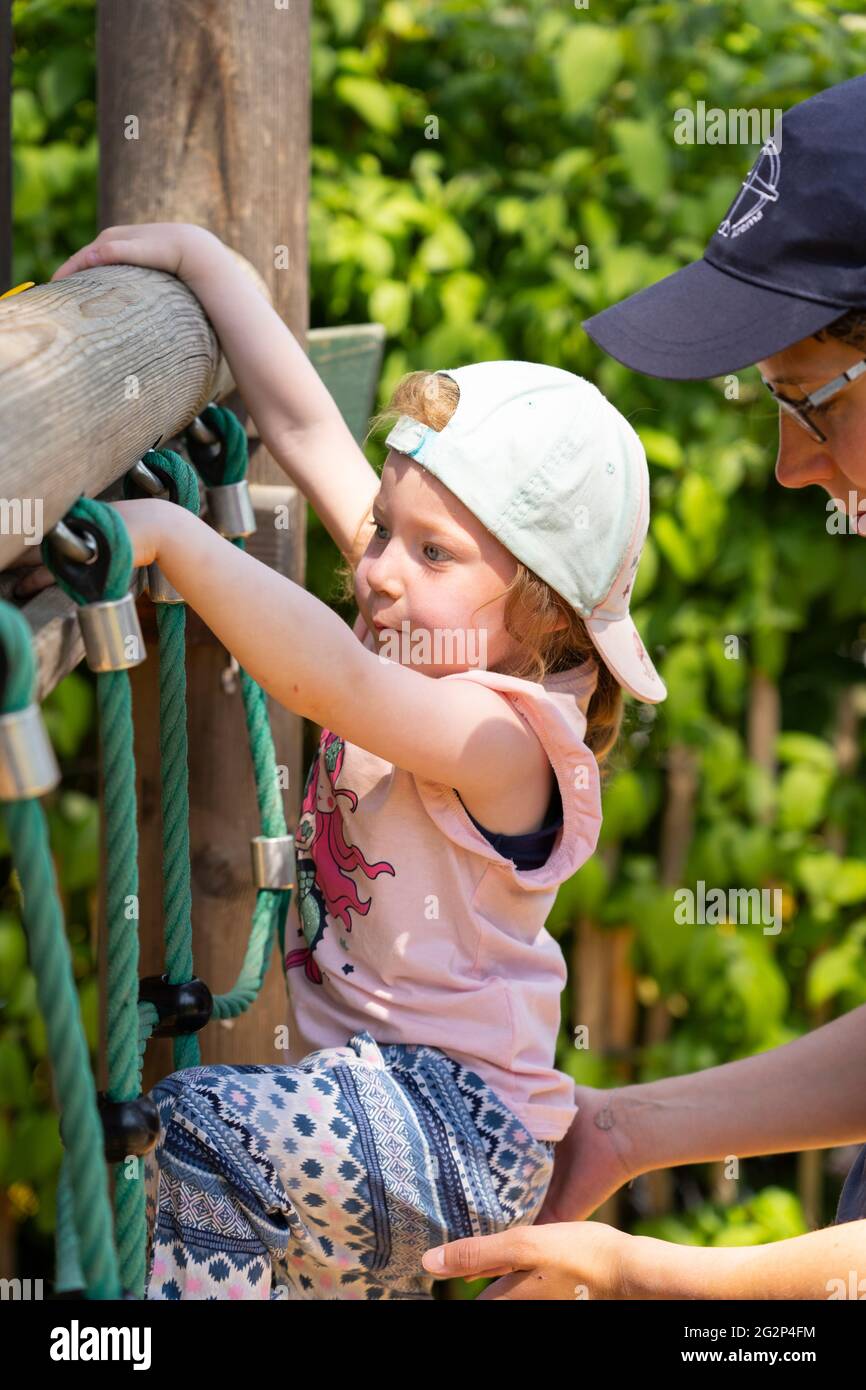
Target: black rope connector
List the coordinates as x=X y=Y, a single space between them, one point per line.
x=182 y=1008
x=129 y=1127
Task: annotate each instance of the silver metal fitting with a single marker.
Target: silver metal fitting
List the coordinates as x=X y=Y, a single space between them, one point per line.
x=147 y=480
x=82 y=549
x=113 y=639
x=274 y=864
x=28 y=766
x=160 y=589
x=230 y=509
x=199 y=430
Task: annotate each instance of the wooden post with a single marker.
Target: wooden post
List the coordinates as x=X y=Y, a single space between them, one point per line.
x=8 y=1244
x=676 y=836
x=5 y=145
x=604 y=997
x=204 y=117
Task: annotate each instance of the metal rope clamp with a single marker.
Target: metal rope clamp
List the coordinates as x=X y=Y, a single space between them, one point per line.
x=113 y=640
x=274 y=864
x=230 y=506
x=28 y=765
x=159 y=589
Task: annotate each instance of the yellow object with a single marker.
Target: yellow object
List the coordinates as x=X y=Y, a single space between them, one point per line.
x=22 y=1199
x=28 y=284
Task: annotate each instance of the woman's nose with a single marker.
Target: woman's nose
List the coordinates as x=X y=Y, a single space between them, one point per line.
x=801 y=460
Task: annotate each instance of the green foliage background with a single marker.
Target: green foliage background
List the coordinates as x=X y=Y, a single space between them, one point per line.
x=462 y=155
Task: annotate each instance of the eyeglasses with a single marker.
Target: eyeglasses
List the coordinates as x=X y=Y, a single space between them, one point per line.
x=819 y=397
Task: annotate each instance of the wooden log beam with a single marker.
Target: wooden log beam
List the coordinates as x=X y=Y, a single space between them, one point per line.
x=5 y=144
x=95 y=369
x=348 y=359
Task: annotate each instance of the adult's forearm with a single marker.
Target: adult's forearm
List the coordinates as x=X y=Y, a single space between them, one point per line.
x=822 y=1264
x=807 y=1094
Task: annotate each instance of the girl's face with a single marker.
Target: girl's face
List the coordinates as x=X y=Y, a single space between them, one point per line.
x=428 y=563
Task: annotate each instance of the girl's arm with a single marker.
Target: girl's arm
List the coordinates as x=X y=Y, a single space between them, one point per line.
x=303 y=654
x=295 y=414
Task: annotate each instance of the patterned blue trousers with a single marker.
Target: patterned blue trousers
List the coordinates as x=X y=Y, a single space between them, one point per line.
x=330 y=1178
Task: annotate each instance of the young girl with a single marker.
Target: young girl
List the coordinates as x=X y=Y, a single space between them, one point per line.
x=455 y=788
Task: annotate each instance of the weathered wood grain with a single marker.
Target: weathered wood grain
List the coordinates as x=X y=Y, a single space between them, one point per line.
x=94 y=369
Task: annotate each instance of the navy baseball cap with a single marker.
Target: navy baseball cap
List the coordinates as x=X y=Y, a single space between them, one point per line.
x=788 y=257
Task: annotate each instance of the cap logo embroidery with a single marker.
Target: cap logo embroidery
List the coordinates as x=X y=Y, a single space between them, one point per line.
x=642 y=655
x=760 y=186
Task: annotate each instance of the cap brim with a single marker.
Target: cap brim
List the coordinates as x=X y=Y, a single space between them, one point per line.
x=626 y=656
x=700 y=322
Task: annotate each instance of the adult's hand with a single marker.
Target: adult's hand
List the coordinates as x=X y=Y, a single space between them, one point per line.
x=561 y=1255
x=565 y=1260
x=34 y=575
x=592 y=1160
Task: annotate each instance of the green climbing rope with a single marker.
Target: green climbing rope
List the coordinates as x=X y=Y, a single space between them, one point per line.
x=174 y=765
x=85 y=1246
x=272 y=905
x=116 y=736
x=85 y=1252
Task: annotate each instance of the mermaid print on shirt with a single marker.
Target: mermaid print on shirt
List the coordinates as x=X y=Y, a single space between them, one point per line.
x=324 y=859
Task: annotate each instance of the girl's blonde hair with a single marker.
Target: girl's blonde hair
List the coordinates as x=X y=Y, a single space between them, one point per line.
x=531 y=605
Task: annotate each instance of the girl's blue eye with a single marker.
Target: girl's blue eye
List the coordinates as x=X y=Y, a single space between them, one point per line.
x=380 y=526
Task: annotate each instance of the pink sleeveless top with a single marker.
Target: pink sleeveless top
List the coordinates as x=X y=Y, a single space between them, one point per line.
x=408 y=923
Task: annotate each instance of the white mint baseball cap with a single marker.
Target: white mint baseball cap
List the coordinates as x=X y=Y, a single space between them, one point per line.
x=554 y=471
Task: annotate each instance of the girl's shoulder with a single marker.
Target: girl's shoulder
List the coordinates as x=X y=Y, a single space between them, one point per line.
x=567 y=692
x=555 y=710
